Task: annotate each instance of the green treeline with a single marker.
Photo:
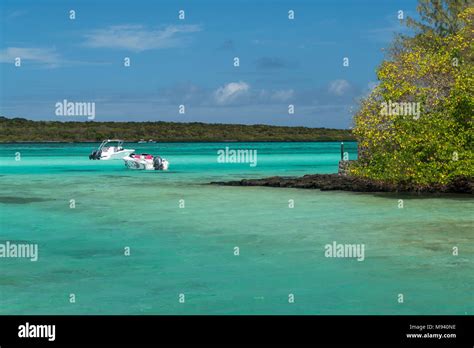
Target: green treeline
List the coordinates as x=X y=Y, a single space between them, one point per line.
x=22 y=130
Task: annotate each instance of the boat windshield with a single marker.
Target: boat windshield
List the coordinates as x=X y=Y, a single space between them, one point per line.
x=107 y=144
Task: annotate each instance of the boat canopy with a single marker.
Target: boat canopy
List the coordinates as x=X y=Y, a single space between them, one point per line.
x=105 y=142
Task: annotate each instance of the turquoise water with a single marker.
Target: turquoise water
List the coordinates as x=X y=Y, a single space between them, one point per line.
x=190 y=250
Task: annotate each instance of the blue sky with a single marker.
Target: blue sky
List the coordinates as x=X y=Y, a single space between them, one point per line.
x=191 y=61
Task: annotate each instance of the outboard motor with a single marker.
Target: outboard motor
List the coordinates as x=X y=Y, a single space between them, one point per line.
x=157 y=163
x=95 y=155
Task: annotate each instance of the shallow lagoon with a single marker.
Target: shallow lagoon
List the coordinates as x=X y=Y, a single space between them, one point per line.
x=190 y=250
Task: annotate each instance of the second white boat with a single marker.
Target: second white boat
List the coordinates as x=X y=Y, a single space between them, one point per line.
x=145 y=162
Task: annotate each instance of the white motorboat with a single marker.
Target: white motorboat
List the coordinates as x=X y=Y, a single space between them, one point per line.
x=146 y=162
x=110 y=149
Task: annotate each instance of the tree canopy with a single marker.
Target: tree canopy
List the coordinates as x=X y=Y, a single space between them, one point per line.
x=439 y=16
x=416 y=125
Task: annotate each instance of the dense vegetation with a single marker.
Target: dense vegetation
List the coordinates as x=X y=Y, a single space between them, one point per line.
x=21 y=130
x=435 y=69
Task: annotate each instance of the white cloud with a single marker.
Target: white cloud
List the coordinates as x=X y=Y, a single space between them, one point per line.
x=16 y=14
x=230 y=92
x=47 y=56
x=338 y=87
x=283 y=95
x=394 y=26
x=138 y=38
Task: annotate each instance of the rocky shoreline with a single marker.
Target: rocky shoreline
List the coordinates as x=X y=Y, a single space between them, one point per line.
x=328 y=182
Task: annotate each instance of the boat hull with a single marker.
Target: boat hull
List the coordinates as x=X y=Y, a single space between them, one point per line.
x=116 y=155
x=138 y=164
x=143 y=164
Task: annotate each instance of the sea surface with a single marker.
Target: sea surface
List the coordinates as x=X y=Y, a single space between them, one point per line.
x=228 y=250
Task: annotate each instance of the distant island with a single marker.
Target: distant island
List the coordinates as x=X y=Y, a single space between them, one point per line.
x=23 y=130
